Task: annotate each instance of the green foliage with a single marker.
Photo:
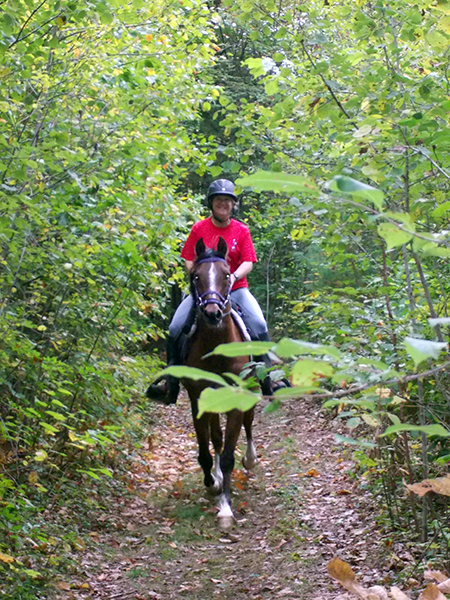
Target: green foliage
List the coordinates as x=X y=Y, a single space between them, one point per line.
x=99 y=132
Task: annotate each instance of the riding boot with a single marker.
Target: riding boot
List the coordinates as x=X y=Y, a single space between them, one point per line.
x=166 y=388
x=268 y=387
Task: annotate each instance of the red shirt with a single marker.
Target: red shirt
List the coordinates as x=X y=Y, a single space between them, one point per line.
x=237 y=237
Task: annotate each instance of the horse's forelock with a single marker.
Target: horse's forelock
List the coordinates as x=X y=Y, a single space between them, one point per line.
x=209 y=253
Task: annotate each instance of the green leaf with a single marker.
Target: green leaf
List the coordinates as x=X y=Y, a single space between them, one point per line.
x=442 y=209
x=307 y=371
x=435 y=429
x=32 y=573
x=419 y=350
x=393 y=236
x=347 y=185
x=271 y=181
x=353 y=422
x=297 y=392
x=55 y=415
x=195 y=374
x=48 y=428
x=40 y=456
x=224 y=399
x=433 y=249
x=234 y=349
x=288 y=347
x=342 y=439
x=89 y=472
x=271 y=87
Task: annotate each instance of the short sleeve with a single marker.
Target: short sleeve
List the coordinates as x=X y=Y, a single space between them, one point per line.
x=247 y=249
x=188 y=251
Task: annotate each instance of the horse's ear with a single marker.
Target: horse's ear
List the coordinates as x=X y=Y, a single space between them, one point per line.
x=222 y=247
x=200 y=247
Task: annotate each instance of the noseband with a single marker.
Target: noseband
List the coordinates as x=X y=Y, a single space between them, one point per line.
x=211 y=296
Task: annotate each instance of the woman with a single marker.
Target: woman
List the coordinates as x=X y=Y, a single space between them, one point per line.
x=222 y=202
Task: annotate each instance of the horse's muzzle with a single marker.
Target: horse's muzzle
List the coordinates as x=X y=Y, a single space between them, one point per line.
x=213 y=314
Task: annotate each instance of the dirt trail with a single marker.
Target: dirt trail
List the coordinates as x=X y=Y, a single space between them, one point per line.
x=298 y=509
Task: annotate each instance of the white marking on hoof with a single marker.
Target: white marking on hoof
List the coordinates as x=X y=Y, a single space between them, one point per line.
x=250 y=459
x=218 y=475
x=216 y=488
x=225 y=516
x=225 y=522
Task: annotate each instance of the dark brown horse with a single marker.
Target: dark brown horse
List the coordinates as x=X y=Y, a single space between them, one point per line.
x=210 y=287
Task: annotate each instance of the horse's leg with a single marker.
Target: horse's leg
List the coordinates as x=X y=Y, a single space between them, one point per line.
x=250 y=458
x=205 y=460
x=233 y=429
x=217 y=442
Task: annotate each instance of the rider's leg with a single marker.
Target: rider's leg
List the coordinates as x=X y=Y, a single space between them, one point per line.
x=256 y=325
x=166 y=388
x=255 y=322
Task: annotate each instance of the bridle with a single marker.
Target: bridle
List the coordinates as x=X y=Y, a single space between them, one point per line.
x=212 y=296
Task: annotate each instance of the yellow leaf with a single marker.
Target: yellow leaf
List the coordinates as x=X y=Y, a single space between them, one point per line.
x=6 y=558
x=62 y=585
x=149 y=37
x=33 y=478
x=365 y=104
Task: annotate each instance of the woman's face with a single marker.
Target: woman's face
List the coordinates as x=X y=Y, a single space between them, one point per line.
x=222 y=206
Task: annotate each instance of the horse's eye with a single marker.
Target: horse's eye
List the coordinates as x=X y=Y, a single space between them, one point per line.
x=197 y=277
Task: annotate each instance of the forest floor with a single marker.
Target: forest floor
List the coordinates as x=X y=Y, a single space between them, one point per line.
x=300 y=507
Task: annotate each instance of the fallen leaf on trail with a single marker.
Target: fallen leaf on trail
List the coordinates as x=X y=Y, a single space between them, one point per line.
x=378 y=592
x=78 y=544
x=284 y=592
x=216 y=580
x=6 y=558
x=438 y=576
x=312 y=473
x=172 y=544
x=342 y=572
x=281 y=544
x=239 y=485
x=432 y=592
x=444 y=586
x=343 y=492
x=397 y=594
x=240 y=476
x=440 y=485
x=62 y=585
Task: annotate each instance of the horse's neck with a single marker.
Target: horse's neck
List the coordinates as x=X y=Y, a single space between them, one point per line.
x=213 y=336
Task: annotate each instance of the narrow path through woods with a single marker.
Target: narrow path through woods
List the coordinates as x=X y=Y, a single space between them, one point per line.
x=298 y=509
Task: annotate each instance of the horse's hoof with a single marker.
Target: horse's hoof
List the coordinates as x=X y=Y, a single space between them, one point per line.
x=215 y=489
x=249 y=463
x=225 y=522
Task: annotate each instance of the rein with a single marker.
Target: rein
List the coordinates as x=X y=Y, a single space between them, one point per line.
x=211 y=296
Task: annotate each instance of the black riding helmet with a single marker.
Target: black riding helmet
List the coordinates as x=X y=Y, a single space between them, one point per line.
x=222 y=187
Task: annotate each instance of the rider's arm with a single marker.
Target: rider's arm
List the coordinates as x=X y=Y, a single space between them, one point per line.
x=243 y=269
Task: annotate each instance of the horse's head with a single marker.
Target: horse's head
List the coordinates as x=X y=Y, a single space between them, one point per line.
x=211 y=281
